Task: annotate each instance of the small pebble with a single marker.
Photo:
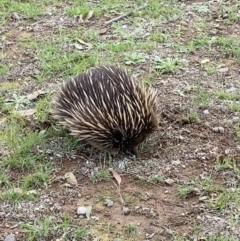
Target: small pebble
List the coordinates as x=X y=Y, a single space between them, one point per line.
x=125 y=211
x=10 y=237
x=15 y=16
x=108 y=202
x=81 y=210
x=206 y=112
x=218 y=129
x=235 y=119
x=169 y=181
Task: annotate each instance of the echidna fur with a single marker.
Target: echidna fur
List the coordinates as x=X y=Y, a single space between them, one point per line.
x=107 y=109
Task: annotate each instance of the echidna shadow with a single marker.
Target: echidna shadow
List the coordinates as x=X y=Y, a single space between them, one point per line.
x=105 y=108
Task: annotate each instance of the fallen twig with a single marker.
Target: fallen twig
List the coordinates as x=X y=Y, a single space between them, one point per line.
x=125 y=15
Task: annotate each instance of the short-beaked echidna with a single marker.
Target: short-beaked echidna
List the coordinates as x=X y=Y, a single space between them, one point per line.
x=107 y=109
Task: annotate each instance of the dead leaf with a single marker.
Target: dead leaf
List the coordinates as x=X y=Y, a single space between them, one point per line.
x=18 y=190
x=204 y=61
x=71 y=179
x=102 y=31
x=85 y=43
x=223 y=70
x=78 y=46
x=116 y=176
x=90 y=14
x=35 y=94
x=80 y=18
x=28 y=112
x=88 y=212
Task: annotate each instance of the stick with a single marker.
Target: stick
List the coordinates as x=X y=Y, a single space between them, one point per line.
x=124 y=15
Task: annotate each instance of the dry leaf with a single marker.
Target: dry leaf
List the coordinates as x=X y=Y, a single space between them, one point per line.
x=35 y=94
x=18 y=190
x=78 y=46
x=90 y=14
x=71 y=179
x=204 y=61
x=88 y=212
x=85 y=43
x=28 y=112
x=102 y=31
x=80 y=18
x=222 y=70
x=116 y=176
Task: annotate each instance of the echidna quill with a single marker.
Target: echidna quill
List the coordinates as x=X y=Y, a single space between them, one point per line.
x=107 y=109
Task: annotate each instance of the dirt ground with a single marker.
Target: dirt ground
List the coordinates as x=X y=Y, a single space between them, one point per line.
x=172 y=191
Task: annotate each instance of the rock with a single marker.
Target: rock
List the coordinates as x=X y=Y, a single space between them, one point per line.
x=108 y=202
x=81 y=210
x=10 y=237
x=235 y=119
x=218 y=129
x=15 y=16
x=125 y=211
x=169 y=181
x=206 y=112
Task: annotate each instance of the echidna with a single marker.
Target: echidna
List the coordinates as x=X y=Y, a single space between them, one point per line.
x=107 y=109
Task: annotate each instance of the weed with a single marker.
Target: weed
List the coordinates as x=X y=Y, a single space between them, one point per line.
x=158 y=36
x=130 y=229
x=44 y=107
x=158 y=178
x=48 y=227
x=192 y=117
x=224 y=163
x=228 y=95
x=203 y=98
x=18 y=101
x=20 y=146
x=37 y=179
x=3 y=69
x=14 y=195
x=135 y=58
x=4 y=180
x=202 y=9
x=100 y=175
x=184 y=191
x=168 y=65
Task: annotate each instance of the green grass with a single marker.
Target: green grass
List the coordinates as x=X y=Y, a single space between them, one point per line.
x=28 y=9
x=45 y=229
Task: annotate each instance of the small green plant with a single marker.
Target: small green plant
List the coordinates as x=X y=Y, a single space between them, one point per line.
x=44 y=107
x=203 y=98
x=130 y=229
x=223 y=163
x=15 y=195
x=3 y=69
x=18 y=101
x=45 y=229
x=228 y=95
x=38 y=179
x=100 y=175
x=202 y=9
x=20 y=146
x=158 y=178
x=39 y=229
x=135 y=58
x=184 y=191
x=4 y=180
x=158 y=36
x=192 y=117
x=168 y=65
